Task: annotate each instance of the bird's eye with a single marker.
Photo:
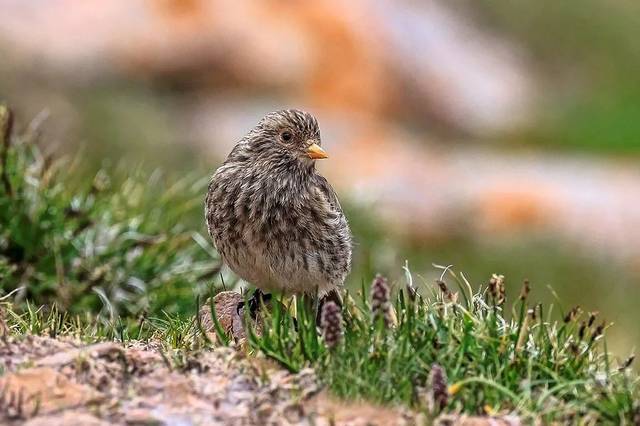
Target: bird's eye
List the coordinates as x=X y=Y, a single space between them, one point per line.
x=286 y=136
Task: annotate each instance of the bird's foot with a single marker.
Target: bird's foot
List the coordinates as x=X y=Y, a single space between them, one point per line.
x=259 y=298
x=254 y=303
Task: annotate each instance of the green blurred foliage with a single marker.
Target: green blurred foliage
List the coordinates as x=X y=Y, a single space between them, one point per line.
x=127 y=239
x=587 y=53
x=559 y=272
x=133 y=121
x=505 y=356
x=122 y=242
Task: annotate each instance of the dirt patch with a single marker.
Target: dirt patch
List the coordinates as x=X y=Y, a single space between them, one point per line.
x=43 y=391
x=61 y=381
x=48 y=381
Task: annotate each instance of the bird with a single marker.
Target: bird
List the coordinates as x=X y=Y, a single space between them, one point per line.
x=274 y=219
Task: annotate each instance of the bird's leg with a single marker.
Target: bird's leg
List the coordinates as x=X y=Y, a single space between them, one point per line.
x=254 y=303
x=239 y=306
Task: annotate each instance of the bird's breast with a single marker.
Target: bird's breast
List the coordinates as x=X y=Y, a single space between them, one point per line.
x=276 y=231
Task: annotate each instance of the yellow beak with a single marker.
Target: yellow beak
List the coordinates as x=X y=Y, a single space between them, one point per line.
x=314 y=151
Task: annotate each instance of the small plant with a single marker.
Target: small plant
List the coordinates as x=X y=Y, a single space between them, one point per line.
x=381 y=307
x=438 y=389
x=331 y=324
x=470 y=356
x=119 y=242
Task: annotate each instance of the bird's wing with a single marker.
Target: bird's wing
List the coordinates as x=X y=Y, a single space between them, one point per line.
x=330 y=194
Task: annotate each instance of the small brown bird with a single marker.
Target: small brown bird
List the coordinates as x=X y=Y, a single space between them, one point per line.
x=273 y=218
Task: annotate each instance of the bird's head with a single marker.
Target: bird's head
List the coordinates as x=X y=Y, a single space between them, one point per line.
x=291 y=133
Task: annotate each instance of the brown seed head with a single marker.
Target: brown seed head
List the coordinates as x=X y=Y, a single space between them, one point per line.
x=572 y=314
x=496 y=288
x=447 y=294
x=412 y=292
x=627 y=363
x=582 y=330
x=438 y=388
x=331 y=324
x=598 y=331
x=526 y=288
x=380 y=300
x=536 y=309
x=575 y=349
x=442 y=286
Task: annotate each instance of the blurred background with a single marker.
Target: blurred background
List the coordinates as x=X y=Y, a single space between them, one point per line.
x=494 y=136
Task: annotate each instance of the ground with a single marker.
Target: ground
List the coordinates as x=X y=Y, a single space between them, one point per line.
x=60 y=381
x=54 y=381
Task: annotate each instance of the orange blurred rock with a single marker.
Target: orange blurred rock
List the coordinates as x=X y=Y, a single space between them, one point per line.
x=369 y=59
x=509 y=208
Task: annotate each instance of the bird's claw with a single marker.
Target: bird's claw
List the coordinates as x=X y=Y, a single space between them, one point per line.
x=239 y=306
x=254 y=303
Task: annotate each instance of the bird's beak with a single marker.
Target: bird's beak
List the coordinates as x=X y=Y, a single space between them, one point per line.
x=314 y=151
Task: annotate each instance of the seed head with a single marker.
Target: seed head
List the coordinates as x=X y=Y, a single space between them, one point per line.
x=526 y=288
x=572 y=314
x=598 y=331
x=536 y=309
x=331 y=324
x=592 y=318
x=443 y=286
x=412 y=292
x=582 y=330
x=447 y=294
x=438 y=388
x=380 y=300
x=496 y=288
x=627 y=363
x=575 y=349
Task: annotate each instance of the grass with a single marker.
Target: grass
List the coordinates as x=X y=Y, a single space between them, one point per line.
x=578 y=276
x=498 y=359
x=120 y=242
x=114 y=258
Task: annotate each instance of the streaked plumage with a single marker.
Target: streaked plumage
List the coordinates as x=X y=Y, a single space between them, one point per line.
x=274 y=219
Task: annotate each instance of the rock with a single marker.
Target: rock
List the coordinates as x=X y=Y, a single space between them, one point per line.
x=43 y=390
x=457 y=420
x=110 y=349
x=219 y=386
x=141 y=416
x=225 y=304
x=310 y=51
x=329 y=411
x=231 y=318
x=141 y=361
x=66 y=418
x=16 y=351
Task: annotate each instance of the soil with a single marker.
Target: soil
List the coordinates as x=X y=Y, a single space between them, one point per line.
x=63 y=381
